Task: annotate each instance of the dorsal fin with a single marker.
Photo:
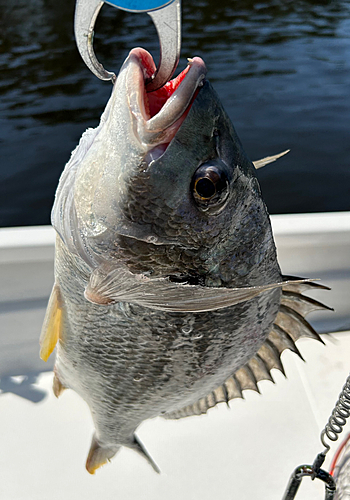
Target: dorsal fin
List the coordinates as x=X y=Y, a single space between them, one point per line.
x=53 y=324
x=269 y=159
x=289 y=326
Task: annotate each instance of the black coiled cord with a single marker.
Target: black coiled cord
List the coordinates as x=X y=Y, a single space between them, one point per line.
x=334 y=426
x=339 y=416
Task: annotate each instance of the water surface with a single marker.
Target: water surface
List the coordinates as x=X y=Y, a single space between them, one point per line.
x=281 y=68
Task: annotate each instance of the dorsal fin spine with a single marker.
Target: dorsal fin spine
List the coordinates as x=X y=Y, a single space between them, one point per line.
x=289 y=326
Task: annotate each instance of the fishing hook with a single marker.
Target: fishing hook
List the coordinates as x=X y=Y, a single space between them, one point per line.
x=166 y=18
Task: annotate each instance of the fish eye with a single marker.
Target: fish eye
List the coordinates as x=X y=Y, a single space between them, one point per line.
x=210 y=184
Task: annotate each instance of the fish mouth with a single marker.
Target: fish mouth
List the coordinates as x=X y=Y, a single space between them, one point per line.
x=158 y=115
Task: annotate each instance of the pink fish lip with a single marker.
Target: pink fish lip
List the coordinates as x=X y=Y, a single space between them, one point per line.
x=159 y=114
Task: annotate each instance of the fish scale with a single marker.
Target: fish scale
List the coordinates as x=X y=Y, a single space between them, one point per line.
x=212 y=359
x=168 y=297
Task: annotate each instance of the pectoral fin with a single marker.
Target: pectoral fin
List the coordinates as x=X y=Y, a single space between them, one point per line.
x=109 y=285
x=53 y=324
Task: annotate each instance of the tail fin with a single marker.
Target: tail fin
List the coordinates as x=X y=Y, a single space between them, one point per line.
x=98 y=455
x=139 y=447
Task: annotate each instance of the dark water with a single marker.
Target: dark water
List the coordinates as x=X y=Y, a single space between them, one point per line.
x=282 y=69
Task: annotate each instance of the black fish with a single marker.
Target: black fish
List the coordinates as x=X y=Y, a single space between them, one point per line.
x=168 y=296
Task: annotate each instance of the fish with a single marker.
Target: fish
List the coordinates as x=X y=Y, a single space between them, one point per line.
x=168 y=296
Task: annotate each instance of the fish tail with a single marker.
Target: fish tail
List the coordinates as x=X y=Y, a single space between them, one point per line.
x=99 y=455
x=139 y=447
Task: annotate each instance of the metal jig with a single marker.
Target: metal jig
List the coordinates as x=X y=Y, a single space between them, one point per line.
x=166 y=16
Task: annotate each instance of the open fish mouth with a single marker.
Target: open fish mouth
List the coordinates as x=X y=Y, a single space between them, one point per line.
x=158 y=115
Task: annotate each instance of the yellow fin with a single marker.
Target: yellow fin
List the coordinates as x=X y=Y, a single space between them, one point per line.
x=52 y=327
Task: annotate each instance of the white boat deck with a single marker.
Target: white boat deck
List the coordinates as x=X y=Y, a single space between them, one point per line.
x=247 y=452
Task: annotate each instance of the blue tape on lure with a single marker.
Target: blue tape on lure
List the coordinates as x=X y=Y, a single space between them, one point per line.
x=166 y=16
x=139 y=5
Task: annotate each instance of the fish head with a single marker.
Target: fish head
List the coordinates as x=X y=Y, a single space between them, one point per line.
x=164 y=185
